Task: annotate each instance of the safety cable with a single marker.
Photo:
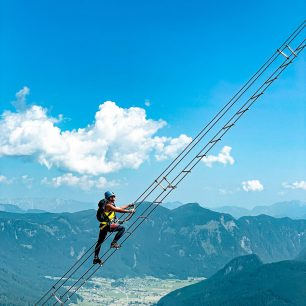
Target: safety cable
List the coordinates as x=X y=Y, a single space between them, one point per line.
x=188 y=148
x=240 y=113
x=193 y=143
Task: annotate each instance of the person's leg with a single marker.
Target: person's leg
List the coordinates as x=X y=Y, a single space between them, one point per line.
x=102 y=235
x=120 y=231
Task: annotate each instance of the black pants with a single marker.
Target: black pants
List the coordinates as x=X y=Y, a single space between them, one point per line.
x=103 y=232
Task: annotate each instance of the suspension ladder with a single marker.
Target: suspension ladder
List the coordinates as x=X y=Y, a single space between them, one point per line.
x=184 y=163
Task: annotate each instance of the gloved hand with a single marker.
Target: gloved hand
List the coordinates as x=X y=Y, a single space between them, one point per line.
x=132 y=211
x=132 y=205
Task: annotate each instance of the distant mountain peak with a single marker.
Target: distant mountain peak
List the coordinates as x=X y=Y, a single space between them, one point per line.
x=238 y=264
x=190 y=205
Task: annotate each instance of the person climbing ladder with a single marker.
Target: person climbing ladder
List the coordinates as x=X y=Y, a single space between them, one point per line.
x=106 y=215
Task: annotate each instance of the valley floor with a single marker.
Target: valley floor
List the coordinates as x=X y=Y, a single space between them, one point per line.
x=129 y=291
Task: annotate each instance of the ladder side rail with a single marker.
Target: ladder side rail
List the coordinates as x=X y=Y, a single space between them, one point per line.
x=299 y=49
x=265 y=85
x=186 y=172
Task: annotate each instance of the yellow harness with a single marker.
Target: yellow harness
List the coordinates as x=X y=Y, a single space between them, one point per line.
x=110 y=215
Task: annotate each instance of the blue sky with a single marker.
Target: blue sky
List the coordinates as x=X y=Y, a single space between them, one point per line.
x=168 y=66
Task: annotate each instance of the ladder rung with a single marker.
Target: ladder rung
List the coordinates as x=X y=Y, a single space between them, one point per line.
x=186 y=171
x=282 y=53
x=214 y=141
x=301 y=47
x=201 y=156
x=142 y=217
x=57 y=298
x=286 y=64
x=242 y=111
x=169 y=184
x=160 y=185
x=256 y=96
x=271 y=80
x=157 y=202
x=228 y=126
x=291 y=50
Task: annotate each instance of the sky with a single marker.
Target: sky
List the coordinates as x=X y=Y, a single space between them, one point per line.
x=103 y=95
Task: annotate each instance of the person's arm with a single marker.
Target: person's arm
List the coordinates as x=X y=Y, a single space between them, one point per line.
x=128 y=206
x=117 y=209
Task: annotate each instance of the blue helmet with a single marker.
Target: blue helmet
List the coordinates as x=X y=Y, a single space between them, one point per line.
x=108 y=194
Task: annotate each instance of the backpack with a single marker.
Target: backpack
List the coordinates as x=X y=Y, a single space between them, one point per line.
x=101 y=216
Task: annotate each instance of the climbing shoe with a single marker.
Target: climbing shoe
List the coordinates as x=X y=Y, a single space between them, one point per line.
x=115 y=245
x=97 y=260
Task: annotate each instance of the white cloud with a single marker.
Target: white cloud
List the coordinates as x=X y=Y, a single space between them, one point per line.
x=5 y=180
x=252 y=185
x=21 y=95
x=295 y=185
x=224 y=157
x=84 y=182
x=170 y=147
x=118 y=138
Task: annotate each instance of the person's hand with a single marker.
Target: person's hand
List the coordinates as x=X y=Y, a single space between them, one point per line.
x=132 y=205
x=131 y=211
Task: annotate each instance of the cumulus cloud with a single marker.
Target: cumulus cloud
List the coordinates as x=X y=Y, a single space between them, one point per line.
x=252 y=185
x=84 y=182
x=5 y=180
x=118 y=138
x=295 y=185
x=170 y=147
x=224 y=157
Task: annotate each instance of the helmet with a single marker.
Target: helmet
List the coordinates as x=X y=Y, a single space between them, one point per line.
x=108 y=194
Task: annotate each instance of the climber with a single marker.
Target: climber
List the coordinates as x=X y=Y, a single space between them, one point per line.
x=106 y=215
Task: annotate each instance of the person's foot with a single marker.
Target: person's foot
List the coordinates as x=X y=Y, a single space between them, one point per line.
x=115 y=245
x=97 y=260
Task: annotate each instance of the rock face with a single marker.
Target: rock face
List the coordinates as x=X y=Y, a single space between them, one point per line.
x=246 y=281
x=187 y=241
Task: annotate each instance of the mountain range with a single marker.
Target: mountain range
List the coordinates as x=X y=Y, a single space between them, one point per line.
x=246 y=281
x=55 y=205
x=187 y=241
x=16 y=209
x=291 y=209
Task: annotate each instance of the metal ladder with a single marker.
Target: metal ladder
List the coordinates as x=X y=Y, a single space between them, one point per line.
x=183 y=165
